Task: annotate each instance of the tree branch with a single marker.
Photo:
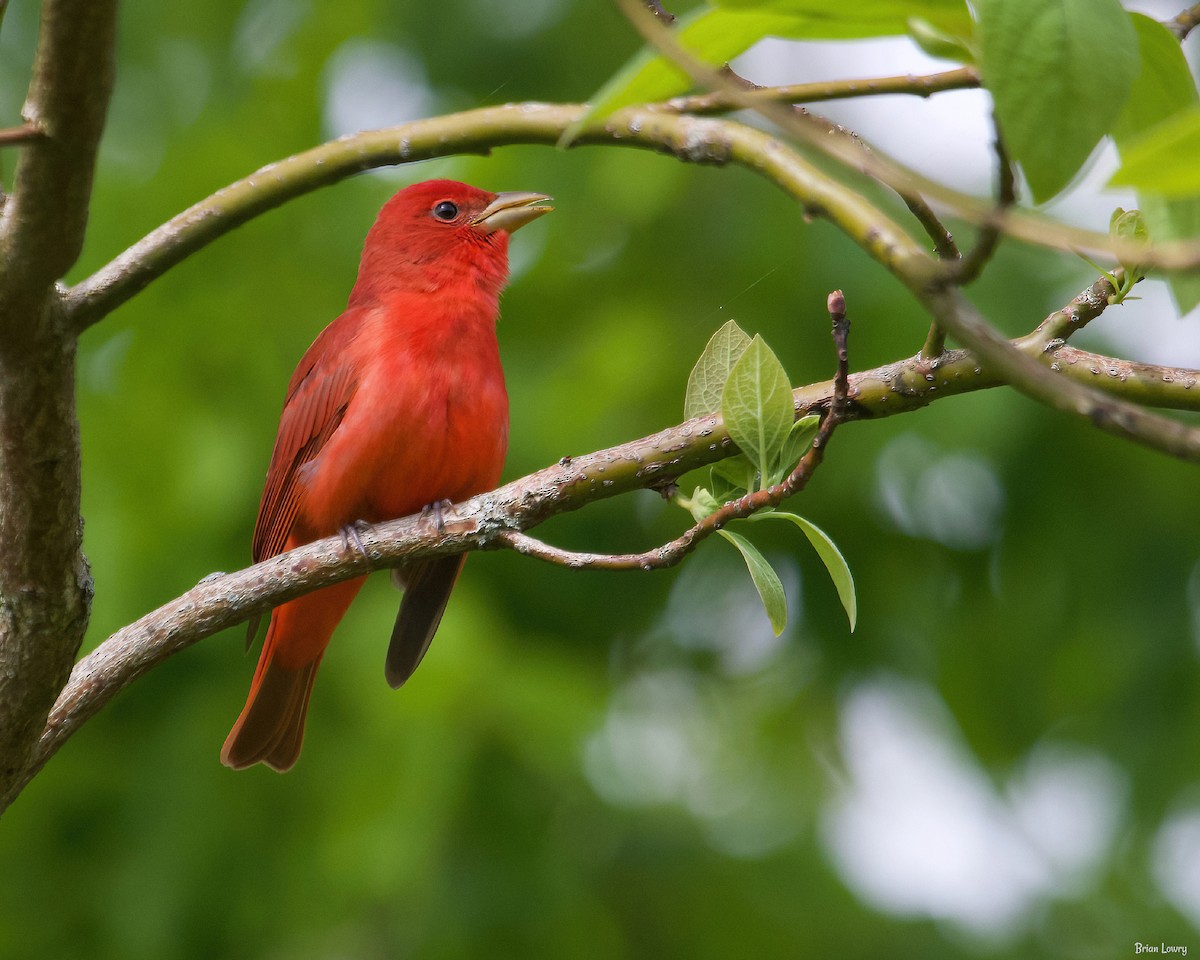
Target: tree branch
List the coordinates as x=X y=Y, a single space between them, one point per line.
x=45 y=587
x=1174 y=255
x=10 y=136
x=962 y=270
x=719 y=101
x=488 y=520
x=1121 y=418
x=693 y=139
x=224 y=600
x=671 y=553
x=1185 y=22
x=42 y=225
x=966 y=269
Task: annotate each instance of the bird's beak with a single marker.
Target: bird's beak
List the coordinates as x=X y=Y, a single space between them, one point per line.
x=511 y=211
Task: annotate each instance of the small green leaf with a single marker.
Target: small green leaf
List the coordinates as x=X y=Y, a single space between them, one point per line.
x=1163 y=88
x=1128 y=225
x=736 y=472
x=700 y=504
x=757 y=406
x=708 y=376
x=938 y=43
x=766 y=580
x=799 y=440
x=1054 y=96
x=1163 y=160
x=831 y=556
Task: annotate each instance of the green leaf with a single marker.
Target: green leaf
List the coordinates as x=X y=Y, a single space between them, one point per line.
x=1165 y=159
x=823 y=20
x=799 y=440
x=1128 y=225
x=1059 y=72
x=712 y=35
x=1163 y=88
x=757 y=406
x=939 y=43
x=708 y=376
x=737 y=473
x=700 y=505
x=766 y=580
x=717 y=34
x=1176 y=219
x=831 y=556
x=1164 y=84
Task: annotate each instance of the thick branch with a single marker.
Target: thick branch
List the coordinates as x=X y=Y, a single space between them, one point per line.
x=693 y=139
x=42 y=226
x=1145 y=383
x=45 y=590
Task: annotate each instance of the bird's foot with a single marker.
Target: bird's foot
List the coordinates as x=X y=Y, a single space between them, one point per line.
x=350 y=536
x=437 y=511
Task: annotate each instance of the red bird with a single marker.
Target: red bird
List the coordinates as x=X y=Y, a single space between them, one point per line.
x=398 y=404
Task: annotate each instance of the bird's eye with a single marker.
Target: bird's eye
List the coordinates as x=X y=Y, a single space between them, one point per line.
x=445 y=210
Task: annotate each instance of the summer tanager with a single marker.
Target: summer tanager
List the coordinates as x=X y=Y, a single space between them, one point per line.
x=398 y=404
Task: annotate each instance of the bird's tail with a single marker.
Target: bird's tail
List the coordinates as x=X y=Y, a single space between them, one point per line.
x=271 y=726
x=427 y=587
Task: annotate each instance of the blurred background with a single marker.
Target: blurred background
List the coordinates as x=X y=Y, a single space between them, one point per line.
x=1002 y=761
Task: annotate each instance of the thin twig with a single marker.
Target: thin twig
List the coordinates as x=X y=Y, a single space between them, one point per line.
x=959 y=317
x=1077 y=314
x=675 y=550
x=656 y=8
x=963 y=270
x=1183 y=24
x=967 y=269
x=22 y=134
x=946 y=250
x=953 y=312
x=719 y=101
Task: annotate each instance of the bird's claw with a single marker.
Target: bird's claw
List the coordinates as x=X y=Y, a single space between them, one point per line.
x=350 y=536
x=437 y=510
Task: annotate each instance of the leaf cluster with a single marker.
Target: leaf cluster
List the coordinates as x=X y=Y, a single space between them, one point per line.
x=742 y=378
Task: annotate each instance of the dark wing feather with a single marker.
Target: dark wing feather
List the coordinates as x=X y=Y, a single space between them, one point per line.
x=427 y=587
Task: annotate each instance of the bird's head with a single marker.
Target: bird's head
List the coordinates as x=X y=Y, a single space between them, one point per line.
x=433 y=232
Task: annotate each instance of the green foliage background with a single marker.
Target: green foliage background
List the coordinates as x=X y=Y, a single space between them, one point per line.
x=474 y=814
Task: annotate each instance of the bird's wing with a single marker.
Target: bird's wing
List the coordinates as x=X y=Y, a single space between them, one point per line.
x=317 y=398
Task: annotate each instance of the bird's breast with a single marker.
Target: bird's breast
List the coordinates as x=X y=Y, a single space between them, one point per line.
x=427 y=422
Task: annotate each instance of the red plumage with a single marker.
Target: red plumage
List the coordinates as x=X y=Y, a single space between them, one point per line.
x=399 y=403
